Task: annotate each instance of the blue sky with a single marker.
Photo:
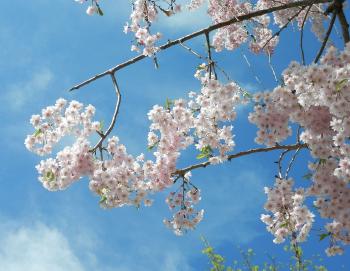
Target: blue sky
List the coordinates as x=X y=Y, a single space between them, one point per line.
x=48 y=46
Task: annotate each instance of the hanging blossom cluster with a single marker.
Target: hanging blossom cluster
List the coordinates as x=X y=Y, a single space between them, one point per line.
x=144 y=13
x=183 y=200
x=290 y=217
x=119 y=178
x=317 y=98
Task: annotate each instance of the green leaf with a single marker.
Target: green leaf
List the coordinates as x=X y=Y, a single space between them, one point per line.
x=322 y=161
x=151 y=147
x=168 y=104
x=38 y=132
x=339 y=85
x=207 y=250
x=246 y=94
x=206 y=152
x=307 y=176
x=103 y=199
x=298 y=252
x=284 y=225
x=201 y=156
x=100 y=127
x=99 y=11
x=201 y=67
x=49 y=176
x=324 y=235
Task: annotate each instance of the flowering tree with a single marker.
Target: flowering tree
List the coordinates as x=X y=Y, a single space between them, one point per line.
x=313 y=98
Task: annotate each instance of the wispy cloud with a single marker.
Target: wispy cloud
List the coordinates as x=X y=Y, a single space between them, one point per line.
x=36 y=248
x=19 y=94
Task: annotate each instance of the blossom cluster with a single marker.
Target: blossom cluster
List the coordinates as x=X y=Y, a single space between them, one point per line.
x=186 y=217
x=118 y=177
x=51 y=126
x=58 y=121
x=256 y=31
x=317 y=99
x=291 y=218
x=144 y=13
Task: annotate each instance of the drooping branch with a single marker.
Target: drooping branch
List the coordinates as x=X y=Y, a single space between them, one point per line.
x=114 y=117
x=297 y=146
x=302 y=36
x=203 y=31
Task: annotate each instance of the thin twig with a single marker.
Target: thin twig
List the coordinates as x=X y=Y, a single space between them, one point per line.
x=115 y=114
x=283 y=27
x=325 y=40
x=206 y=59
x=240 y=154
x=291 y=163
x=280 y=159
x=251 y=68
x=211 y=28
x=210 y=60
x=271 y=67
x=302 y=35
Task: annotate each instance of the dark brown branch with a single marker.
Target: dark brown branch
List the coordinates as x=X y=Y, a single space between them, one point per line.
x=240 y=154
x=210 y=60
x=344 y=25
x=114 y=118
x=201 y=32
x=337 y=7
x=325 y=40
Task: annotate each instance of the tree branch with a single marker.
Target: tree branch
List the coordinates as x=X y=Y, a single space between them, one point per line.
x=283 y=27
x=344 y=25
x=325 y=40
x=240 y=154
x=302 y=35
x=114 y=118
x=211 y=28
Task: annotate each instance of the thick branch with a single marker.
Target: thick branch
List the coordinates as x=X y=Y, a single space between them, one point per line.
x=243 y=153
x=344 y=25
x=209 y=29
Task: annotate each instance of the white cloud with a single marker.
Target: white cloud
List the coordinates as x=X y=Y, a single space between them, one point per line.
x=18 y=94
x=36 y=248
